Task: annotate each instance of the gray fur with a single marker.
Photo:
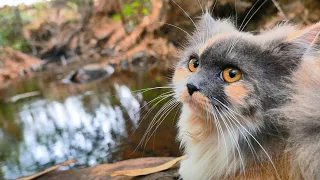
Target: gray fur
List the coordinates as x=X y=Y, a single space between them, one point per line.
x=302 y=116
x=282 y=110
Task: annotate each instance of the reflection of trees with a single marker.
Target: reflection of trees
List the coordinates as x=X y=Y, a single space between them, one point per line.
x=84 y=127
x=94 y=127
x=10 y=135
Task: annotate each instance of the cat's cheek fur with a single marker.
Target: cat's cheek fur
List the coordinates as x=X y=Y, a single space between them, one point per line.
x=179 y=80
x=236 y=93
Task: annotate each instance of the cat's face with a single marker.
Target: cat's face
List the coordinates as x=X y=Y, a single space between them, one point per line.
x=224 y=71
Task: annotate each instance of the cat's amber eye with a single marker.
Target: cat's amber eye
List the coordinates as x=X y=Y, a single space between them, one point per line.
x=193 y=65
x=231 y=74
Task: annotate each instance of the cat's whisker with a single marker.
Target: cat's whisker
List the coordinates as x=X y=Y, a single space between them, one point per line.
x=214 y=6
x=242 y=133
x=187 y=16
x=150 y=125
x=237 y=145
x=231 y=137
x=231 y=119
x=165 y=112
x=175 y=115
x=201 y=7
x=235 y=167
x=235 y=8
x=233 y=140
x=245 y=18
x=210 y=120
x=164 y=96
x=208 y=124
x=222 y=133
x=242 y=28
x=147 y=114
x=187 y=134
x=153 y=88
x=163 y=108
x=231 y=110
x=253 y=14
x=263 y=149
x=172 y=25
x=216 y=120
x=160 y=96
x=233 y=45
x=145 y=137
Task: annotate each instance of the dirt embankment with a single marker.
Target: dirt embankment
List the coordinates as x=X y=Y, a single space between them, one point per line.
x=14 y=64
x=103 y=32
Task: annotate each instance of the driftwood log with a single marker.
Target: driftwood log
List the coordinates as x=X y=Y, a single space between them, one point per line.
x=104 y=171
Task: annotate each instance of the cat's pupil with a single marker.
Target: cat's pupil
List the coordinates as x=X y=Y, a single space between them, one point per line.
x=195 y=63
x=233 y=73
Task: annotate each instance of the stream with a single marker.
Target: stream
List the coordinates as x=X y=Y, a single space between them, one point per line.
x=44 y=122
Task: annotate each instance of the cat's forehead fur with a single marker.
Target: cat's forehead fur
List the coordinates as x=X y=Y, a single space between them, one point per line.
x=209 y=31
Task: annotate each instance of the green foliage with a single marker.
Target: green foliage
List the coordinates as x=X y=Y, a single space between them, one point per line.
x=137 y=7
x=38 y=6
x=128 y=10
x=145 y=11
x=76 y=5
x=21 y=45
x=133 y=10
x=3 y=40
x=72 y=5
x=116 y=17
x=12 y=21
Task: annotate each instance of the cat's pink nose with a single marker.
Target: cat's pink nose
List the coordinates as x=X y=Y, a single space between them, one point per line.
x=192 y=89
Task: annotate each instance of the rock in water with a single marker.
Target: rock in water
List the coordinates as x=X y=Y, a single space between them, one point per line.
x=89 y=73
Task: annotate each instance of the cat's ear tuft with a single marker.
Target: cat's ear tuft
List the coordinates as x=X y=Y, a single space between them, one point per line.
x=206 y=19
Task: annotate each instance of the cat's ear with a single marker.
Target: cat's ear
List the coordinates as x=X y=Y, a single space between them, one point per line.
x=309 y=37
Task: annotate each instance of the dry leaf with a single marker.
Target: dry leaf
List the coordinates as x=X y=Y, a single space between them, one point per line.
x=146 y=171
x=48 y=170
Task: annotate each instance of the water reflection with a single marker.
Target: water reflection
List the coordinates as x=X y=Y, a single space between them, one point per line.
x=93 y=125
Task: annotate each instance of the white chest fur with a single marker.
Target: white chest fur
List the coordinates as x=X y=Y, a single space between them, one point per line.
x=211 y=157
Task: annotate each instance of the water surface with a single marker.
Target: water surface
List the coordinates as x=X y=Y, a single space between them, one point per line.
x=94 y=123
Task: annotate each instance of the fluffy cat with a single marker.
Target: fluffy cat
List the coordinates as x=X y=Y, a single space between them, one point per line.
x=250 y=103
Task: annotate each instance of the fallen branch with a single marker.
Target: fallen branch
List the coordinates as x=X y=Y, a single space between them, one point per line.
x=23 y=96
x=48 y=170
x=146 y=171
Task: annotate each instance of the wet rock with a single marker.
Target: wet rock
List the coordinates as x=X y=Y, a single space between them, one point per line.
x=107 y=52
x=124 y=64
x=142 y=59
x=89 y=73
